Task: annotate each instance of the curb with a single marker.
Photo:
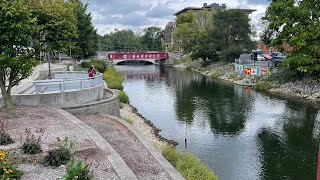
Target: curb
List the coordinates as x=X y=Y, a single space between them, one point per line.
x=118 y=164
x=155 y=153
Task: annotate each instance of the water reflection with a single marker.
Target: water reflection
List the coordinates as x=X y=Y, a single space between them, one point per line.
x=238 y=132
x=291 y=152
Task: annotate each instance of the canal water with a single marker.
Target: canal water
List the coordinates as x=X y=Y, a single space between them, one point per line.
x=240 y=133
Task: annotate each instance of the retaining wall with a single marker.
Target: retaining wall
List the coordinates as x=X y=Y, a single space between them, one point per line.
x=106 y=106
x=61 y=99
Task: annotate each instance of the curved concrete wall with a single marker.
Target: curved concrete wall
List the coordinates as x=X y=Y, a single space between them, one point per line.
x=106 y=106
x=61 y=99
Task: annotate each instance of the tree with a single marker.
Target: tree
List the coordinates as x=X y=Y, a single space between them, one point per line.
x=86 y=43
x=16 y=61
x=122 y=40
x=56 y=25
x=266 y=34
x=152 y=38
x=230 y=33
x=297 y=23
x=27 y=27
x=186 y=31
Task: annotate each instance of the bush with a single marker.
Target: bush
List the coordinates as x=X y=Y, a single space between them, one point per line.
x=113 y=78
x=60 y=155
x=77 y=171
x=217 y=74
x=99 y=65
x=5 y=138
x=32 y=144
x=188 y=165
x=263 y=86
x=230 y=54
x=7 y=170
x=128 y=120
x=123 y=97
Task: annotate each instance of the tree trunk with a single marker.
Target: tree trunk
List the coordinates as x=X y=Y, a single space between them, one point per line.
x=11 y=113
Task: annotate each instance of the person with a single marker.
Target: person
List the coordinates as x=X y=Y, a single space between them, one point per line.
x=91 y=72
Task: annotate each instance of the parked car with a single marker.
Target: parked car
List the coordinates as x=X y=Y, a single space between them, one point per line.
x=277 y=60
x=277 y=54
x=266 y=57
x=260 y=58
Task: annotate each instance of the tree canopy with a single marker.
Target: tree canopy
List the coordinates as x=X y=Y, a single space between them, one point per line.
x=230 y=34
x=297 y=24
x=152 y=38
x=27 y=28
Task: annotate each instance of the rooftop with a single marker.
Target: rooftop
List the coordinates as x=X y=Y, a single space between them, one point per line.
x=213 y=6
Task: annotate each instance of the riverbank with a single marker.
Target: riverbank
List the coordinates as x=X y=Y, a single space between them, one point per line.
x=187 y=164
x=306 y=89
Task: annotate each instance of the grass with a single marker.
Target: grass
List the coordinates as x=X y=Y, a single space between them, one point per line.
x=113 y=78
x=123 y=97
x=217 y=74
x=188 y=165
x=121 y=106
x=263 y=86
x=128 y=120
x=81 y=69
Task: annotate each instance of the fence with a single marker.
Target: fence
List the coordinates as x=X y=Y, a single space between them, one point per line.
x=67 y=81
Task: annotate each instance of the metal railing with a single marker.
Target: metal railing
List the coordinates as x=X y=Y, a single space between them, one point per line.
x=67 y=81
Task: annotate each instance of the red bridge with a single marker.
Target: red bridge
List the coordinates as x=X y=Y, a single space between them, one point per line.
x=137 y=57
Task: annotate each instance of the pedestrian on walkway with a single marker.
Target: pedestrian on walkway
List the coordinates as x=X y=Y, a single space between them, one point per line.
x=91 y=72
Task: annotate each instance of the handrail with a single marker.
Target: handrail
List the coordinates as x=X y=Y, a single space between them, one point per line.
x=62 y=85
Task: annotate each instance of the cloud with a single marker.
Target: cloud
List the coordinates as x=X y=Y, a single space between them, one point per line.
x=139 y=14
x=160 y=12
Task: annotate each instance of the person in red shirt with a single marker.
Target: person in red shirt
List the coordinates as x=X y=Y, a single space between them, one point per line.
x=91 y=72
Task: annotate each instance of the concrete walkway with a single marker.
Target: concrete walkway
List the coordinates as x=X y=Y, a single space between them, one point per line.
x=119 y=165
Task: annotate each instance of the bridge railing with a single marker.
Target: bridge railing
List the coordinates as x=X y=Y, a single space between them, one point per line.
x=67 y=81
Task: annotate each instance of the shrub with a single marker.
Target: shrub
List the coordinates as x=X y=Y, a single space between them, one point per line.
x=263 y=86
x=217 y=74
x=32 y=144
x=128 y=120
x=60 y=155
x=123 y=97
x=77 y=171
x=188 y=165
x=121 y=105
x=7 y=170
x=5 y=138
x=230 y=54
x=99 y=65
x=113 y=78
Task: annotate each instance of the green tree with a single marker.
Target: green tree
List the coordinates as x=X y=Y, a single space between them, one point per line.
x=16 y=60
x=297 y=23
x=86 y=43
x=56 y=25
x=230 y=34
x=186 y=31
x=192 y=34
x=122 y=40
x=152 y=38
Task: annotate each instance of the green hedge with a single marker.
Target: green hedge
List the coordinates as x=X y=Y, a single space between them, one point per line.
x=123 y=97
x=113 y=78
x=188 y=165
x=100 y=66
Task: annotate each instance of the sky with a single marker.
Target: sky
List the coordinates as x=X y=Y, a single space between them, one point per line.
x=139 y=14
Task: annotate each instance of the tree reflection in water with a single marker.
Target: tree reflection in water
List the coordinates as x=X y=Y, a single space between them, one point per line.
x=291 y=152
x=225 y=107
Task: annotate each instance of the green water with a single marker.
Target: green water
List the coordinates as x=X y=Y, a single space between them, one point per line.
x=240 y=133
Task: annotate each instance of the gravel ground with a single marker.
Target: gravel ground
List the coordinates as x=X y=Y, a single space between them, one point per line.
x=133 y=152
x=127 y=112
x=51 y=125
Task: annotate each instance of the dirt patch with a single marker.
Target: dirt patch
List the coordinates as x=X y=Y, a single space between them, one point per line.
x=55 y=126
x=133 y=152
